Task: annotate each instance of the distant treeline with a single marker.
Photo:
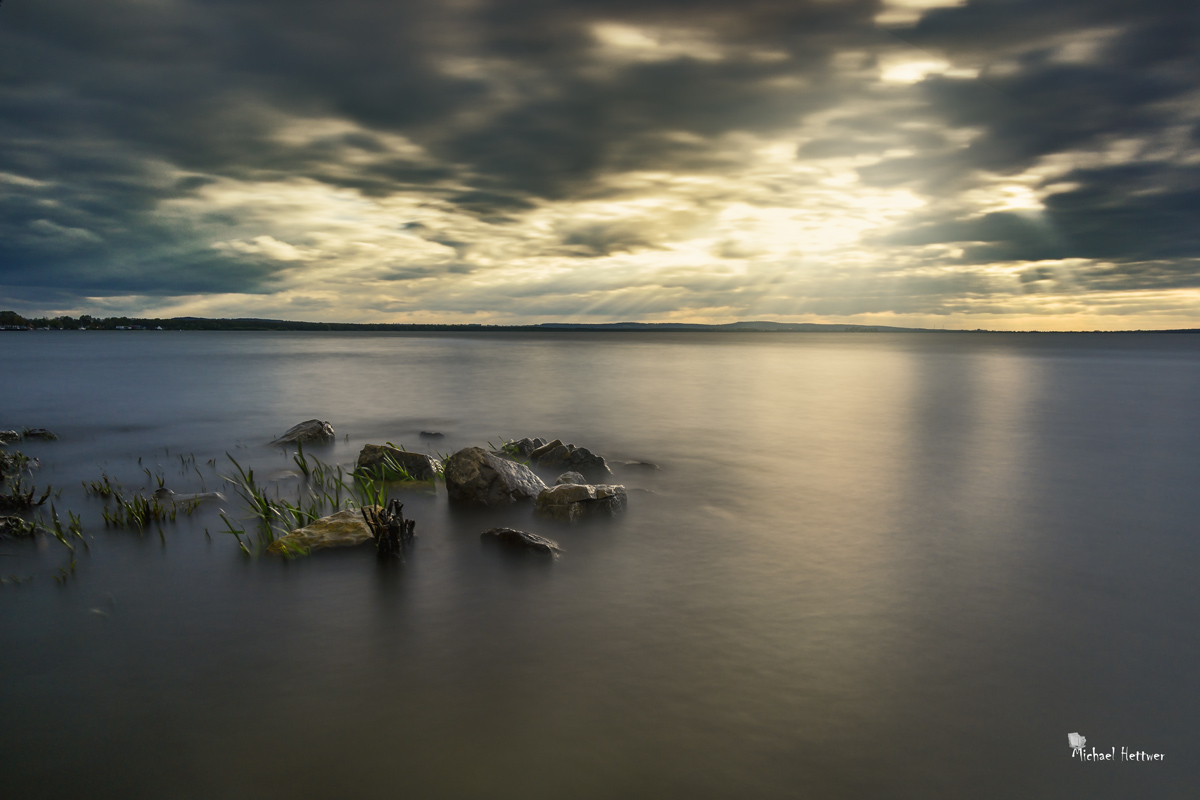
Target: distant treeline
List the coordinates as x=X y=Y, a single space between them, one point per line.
x=10 y=320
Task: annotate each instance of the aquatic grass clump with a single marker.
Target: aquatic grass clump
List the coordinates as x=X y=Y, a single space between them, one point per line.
x=17 y=497
x=326 y=489
x=73 y=529
x=18 y=528
x=136 y=509
x=17 y=462
x=105 y=487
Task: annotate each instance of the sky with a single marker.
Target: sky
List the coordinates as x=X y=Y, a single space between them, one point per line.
x=1002 y=164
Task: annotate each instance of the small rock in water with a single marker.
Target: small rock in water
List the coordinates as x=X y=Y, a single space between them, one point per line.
x=311 y=430
x=570 y=477
x=8 y=437
x=163 y=493
x=39 y=433
x=640 y=464
x=512 y=537
x=432 y=434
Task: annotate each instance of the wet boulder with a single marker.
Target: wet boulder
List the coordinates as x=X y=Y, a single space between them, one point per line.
x=570 y=502
x=391 y=463
x=477 y=477
x=39 y=433
x=9 y=437
x=312 y=430
x=343 y=529
x=569 y=477
x=520 y=540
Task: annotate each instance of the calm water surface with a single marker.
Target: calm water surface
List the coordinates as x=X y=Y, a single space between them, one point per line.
x=869 y=566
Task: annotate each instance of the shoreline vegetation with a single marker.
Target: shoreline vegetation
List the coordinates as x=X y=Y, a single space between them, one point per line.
x=11 y=321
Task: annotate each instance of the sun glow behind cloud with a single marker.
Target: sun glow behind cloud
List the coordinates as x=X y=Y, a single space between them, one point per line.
x=926 y=162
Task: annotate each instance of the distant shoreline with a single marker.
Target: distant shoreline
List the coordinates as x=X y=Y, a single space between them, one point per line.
x=13 y=322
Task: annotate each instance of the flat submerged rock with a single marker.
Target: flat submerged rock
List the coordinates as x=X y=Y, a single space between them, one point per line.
x=520 y=540
x=343 y=529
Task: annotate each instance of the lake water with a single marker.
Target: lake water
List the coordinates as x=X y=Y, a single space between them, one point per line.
x=870 y=565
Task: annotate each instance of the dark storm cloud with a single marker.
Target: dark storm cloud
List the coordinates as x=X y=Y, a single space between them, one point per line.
x=1130 y=78
x=495 y=109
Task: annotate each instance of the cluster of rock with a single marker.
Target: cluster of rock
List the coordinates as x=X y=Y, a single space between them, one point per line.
x=474 y=477
x=556 y=455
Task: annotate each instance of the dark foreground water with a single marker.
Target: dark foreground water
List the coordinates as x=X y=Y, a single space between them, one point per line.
x=870 y=566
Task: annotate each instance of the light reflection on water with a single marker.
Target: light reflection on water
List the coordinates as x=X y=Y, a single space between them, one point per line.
x=871 y=565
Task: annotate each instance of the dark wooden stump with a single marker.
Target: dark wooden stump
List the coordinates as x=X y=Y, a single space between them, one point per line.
x=391 y=530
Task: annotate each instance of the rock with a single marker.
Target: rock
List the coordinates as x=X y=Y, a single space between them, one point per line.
x=564 y=502
x=610 y=501
x=569 y=477
x=39 y=433
x=514 y=538
x=343 y=529
x=537 y=453
x=572 y=502
x=586 y=461
x=477 y=477
x=312 y=430
x=163 y=493
x=432 y=434
x=523 y=447
x=8 y=437
x=384 y=460
x=640 y=464
x=555 y=457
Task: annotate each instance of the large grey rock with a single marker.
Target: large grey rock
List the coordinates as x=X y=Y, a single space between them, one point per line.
x=524 y=540
x=311 y=430
x=570 y=477
x=343 y=529
x=569 y=502
x=383 y=460
x=476 y=477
